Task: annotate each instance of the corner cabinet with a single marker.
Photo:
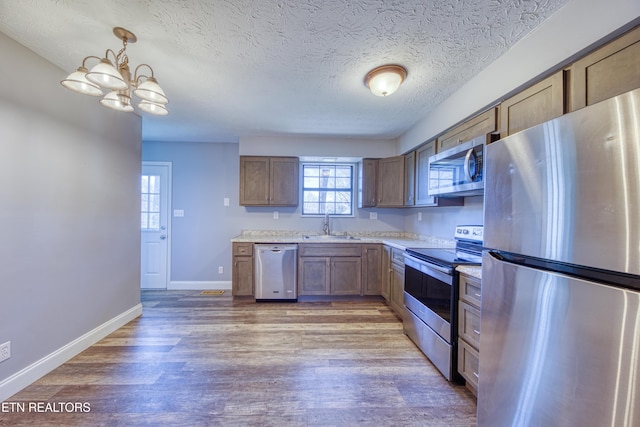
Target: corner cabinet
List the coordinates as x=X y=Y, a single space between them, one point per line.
x=393 y=279
x=242 y=269
x=269 y=181
x=371 y=269
x=609 y=71
x=396 y=284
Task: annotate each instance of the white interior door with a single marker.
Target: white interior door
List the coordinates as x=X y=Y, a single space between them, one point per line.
x=155 y=227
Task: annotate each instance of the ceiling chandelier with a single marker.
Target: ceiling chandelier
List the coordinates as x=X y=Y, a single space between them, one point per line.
x=386 y=79
x=116 y=76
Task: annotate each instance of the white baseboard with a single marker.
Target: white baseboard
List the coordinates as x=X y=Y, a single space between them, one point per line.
x=37 y=370
x=199 y=286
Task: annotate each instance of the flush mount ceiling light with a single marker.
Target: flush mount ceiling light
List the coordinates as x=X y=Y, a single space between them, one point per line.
x=116 y=77
x=386 y=79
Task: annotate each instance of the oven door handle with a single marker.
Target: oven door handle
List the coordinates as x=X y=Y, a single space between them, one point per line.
x=420 y=265
x=444 y=270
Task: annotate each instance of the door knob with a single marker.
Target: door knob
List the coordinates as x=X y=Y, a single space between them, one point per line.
x=163 y=236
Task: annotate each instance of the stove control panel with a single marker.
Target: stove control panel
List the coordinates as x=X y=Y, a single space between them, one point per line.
x=469 y=232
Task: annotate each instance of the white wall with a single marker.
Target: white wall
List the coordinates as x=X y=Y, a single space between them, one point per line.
x=315 y=146
x=69 y=217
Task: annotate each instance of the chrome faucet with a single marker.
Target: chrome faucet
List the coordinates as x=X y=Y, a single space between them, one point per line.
x=325 y=225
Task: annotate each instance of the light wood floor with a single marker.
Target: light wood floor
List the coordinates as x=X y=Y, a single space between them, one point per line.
x=194 y=360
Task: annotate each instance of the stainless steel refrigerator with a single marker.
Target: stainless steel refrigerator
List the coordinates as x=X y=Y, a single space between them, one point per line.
x=560 y=325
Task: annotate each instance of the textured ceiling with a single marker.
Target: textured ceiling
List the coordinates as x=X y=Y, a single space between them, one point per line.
x=235 y=68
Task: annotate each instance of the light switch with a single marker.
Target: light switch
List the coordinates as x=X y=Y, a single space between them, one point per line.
x=178 y=212
x=226 y=201
x=419 y=216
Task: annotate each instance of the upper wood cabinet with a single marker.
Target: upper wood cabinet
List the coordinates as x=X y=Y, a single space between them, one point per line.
x=607 y=72
x=269 y=181
x=537 y=104
x=367 y=183
x=481 y=124
x=410 y=179
x=391 y=182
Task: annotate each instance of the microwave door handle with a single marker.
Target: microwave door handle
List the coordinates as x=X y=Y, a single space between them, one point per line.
x=467 y=169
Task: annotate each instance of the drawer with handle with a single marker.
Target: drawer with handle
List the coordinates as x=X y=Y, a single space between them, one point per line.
x=242 y=249
x=469 y=324
x=468 y=362
x=470 y=290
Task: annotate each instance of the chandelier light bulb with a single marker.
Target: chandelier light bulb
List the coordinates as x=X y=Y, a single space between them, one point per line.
x=151 y=91
x=106 y=75
x=153 y=108
x=77 y=82
x=114 y=100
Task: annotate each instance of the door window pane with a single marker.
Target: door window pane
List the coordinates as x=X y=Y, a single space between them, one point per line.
x=150 y=203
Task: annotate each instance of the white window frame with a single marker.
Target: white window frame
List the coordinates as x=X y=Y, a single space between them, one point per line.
x=353 y=188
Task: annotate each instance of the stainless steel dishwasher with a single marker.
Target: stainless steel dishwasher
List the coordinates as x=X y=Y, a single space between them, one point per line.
x=276 y=272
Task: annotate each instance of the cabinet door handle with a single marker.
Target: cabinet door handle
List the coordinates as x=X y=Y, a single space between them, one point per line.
x=476 y=375
x=477 y=332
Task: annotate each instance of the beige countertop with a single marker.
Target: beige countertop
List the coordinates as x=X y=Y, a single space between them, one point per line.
x=398 y=240
x=471 y=270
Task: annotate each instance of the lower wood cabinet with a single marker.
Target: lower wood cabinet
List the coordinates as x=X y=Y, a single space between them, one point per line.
x=242 y=269
x=469 y=330
x=329 y=269
x=329 y=276
x=393 y=279
x=371 y=269
x=386 y=272
x=396 y=290
x=323 y=269
x=345 y=276
x=339 y=269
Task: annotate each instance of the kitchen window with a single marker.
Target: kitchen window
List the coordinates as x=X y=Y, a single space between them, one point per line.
x=327 y=189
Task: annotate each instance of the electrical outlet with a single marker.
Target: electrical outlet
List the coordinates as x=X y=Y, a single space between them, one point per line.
x=419 y=216
x=373 y=215
x=276 y=215
x=221 y=270
x=5 y=351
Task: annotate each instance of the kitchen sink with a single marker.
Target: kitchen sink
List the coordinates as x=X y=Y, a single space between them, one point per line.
x=330 y=237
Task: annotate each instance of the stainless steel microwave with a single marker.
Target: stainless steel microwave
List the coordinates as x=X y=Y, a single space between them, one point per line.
x=458 y=171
